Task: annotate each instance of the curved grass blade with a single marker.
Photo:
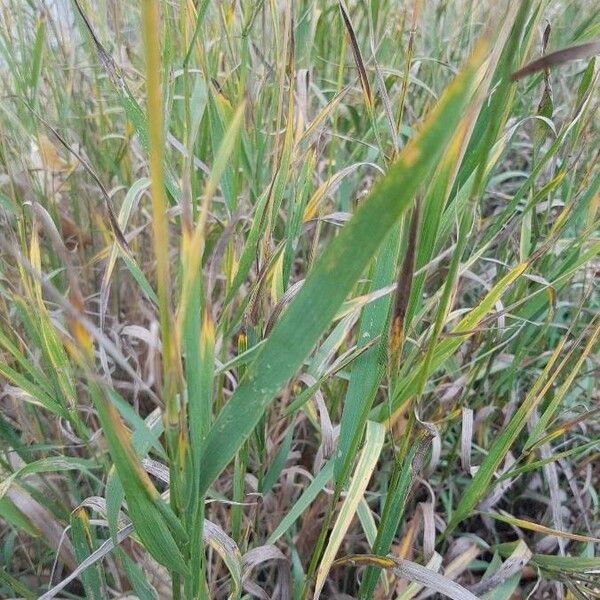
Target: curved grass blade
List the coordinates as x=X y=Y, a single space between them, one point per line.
x=558 y=58
x=531 y=526
x=46 y=465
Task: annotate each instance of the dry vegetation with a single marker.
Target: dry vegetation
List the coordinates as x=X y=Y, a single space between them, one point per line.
x=299 y=299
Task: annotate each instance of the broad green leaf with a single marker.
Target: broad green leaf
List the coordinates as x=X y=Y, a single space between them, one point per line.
x=332 y=278
x=36 y=62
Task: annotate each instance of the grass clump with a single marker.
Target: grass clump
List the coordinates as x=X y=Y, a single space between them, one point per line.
x=299 y=300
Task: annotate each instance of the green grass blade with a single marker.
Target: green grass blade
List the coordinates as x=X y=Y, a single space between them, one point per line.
x=369 y=368
x=307 y=497
x=146 y=509
x=82 y=543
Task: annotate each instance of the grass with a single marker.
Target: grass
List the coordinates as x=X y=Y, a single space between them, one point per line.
x=299 y=300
